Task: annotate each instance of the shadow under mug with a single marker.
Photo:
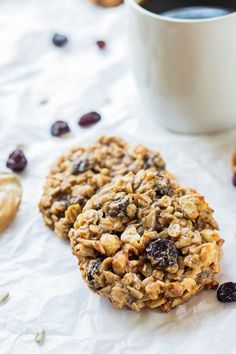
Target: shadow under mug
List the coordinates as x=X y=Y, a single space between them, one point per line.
x=185 y=69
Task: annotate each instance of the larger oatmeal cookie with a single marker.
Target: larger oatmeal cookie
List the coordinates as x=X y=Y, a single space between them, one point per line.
x=143 y=241
x=82 y=171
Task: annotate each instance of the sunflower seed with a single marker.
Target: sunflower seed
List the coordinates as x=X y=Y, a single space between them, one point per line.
x=4 y=297
x=39 y=337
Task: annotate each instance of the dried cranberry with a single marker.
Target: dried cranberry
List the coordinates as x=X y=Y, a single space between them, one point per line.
x=101 y=44
x=17 y=161
x=59 y=40
x=81 y=165
x=162 y=253
x=89 y=119
x=234 y=179
x=227 y=292
x=93 y=270
x=59 y=128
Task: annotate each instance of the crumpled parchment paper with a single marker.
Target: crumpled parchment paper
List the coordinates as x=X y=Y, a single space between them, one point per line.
x=46 y=290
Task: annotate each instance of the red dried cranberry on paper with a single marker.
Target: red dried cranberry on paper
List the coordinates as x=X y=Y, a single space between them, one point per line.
x=17 y=161
x=89 y=119
x=101 y=44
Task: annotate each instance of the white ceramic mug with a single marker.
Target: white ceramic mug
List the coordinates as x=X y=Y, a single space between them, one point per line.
x=185 y=69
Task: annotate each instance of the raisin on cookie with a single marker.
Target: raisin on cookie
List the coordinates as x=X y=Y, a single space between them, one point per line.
x=142 y=241
x=82 y=171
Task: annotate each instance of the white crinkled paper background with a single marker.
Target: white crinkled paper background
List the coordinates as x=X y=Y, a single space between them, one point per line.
x=37 y=268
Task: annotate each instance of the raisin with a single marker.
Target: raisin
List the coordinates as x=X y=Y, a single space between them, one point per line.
x=140 y=229
x=118 y=206
x=153 y=161
x=101 y=44
x=204 y=277
x=76 y=200
x=59 y=40
x=59 y=128
x=227 y=292
x=89 y=119
x=148 y=162
x=163 y=185
x=162 y=253
x=92 y=270
x=81 y=165
x=234 y=179
x=17 y=161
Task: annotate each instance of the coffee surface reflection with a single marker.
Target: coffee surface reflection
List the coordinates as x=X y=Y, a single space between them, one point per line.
x=189 y=10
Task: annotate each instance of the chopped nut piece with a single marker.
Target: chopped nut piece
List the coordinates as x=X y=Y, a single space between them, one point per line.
x=119 y=263
x=130 y=234
x=190 y=209
x=174 y=229
x=111 y=243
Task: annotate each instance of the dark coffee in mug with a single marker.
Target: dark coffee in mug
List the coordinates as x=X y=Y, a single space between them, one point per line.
x=190 y=9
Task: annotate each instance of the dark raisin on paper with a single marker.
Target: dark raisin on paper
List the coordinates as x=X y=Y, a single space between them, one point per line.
x=89 y=119
x=59 y=40
x=101 y=44
x=162 y=253
x=227 y=292
x=17 y=161
x=60 y=127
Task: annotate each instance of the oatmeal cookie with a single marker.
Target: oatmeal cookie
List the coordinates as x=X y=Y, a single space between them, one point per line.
x=142 y=241
x=82 y=171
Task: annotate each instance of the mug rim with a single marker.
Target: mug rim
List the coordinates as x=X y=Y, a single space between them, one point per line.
x=139 y=8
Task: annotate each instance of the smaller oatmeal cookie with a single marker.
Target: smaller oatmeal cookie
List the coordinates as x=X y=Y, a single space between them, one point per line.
x=107 y=3
x=142 y=241
x=82 y=171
